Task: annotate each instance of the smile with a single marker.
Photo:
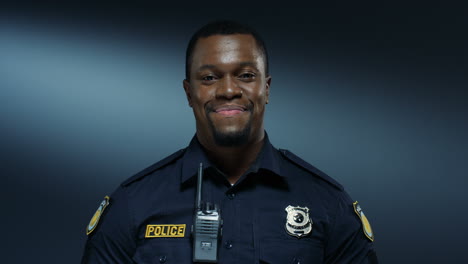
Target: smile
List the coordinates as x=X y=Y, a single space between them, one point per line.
x=230 y=110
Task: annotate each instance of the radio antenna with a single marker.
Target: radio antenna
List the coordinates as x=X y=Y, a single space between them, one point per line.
x=199 y=186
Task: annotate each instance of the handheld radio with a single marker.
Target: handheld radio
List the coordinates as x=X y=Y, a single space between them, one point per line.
x=207 y=227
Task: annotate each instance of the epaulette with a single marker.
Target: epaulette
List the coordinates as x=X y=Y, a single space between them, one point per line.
x=305 y=165
x=154 y=167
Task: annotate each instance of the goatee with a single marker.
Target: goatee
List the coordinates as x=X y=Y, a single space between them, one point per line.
x=231 y=139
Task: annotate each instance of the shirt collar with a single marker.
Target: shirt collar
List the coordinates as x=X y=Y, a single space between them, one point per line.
x=269 y=159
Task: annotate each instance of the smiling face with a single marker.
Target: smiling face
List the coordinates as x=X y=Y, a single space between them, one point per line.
x=228 y=89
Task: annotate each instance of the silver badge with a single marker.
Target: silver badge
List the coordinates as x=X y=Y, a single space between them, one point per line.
x=298 y=223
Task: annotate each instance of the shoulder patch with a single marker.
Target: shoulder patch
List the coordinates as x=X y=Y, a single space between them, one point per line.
x=97 y=215
x=366 y=227
x=305 y=165
x=154 y=167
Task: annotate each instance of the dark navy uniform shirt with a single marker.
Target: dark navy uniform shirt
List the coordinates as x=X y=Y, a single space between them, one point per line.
x=149 y=217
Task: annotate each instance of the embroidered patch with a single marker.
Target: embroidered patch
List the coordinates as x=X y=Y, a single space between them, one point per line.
x=298 y=222
x=366 y=227
x=165 y=231
x=97 y=215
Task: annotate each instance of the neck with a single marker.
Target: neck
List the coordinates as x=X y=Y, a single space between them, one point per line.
x=234 y=161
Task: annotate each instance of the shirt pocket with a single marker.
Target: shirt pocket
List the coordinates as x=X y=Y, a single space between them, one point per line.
x=160 y=250
x=290 y=252
x=276 y=246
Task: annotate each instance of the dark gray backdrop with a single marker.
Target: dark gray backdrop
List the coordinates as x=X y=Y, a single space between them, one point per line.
x=375 y=96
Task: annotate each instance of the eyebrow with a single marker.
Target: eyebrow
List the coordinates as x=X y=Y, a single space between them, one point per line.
x=242 y=64
x=206 y=66
x=248 y=63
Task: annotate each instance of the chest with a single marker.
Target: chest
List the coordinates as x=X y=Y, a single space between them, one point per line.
x=257 y=227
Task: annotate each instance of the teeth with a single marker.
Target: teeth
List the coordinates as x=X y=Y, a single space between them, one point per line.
x=229 y=110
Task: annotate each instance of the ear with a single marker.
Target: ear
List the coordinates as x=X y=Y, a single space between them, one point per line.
x=267 y=87
x=187 y=89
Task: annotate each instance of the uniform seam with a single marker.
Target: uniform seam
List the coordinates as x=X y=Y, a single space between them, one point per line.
x=333 y=225
x=131 y=213
x=318 y=173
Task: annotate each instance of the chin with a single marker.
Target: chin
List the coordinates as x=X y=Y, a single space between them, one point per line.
x=231 y=138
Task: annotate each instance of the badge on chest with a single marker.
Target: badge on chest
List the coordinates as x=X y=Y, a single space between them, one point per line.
x=298 y=222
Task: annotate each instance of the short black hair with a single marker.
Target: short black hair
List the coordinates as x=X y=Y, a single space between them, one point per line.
x=223 y=27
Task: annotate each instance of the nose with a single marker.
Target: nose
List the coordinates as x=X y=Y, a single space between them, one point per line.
x=228 y=89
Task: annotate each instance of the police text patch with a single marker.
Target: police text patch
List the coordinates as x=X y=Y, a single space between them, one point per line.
x=165 y=231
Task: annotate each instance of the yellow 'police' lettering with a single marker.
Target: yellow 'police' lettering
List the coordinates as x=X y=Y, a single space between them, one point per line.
x=165 y=231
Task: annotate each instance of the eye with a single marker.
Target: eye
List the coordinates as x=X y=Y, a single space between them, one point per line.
x=247 y=76
x=208 y=78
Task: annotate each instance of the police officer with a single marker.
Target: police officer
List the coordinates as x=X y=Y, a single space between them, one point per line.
x=276 y=208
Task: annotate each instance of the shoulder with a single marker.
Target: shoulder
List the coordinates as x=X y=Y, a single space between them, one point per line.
x=296 y=160
x=156 y=166
x=118 y=215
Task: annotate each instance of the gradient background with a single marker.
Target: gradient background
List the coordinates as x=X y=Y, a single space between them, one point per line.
x=374 y=95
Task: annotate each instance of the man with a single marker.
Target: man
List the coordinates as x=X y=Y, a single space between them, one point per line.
x=276 y=208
